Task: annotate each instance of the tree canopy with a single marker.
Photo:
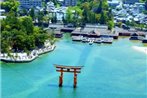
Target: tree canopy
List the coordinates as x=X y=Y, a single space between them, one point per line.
x=89 y=11
x=19 y=34
x=10 y=5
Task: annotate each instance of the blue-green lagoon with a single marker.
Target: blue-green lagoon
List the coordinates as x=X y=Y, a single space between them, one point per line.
x=110 y=71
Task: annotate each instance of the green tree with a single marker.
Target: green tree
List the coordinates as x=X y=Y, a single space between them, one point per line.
x=119 y=24
x=40 y=17
x=5 y=39
x=10 y=5
x=110 y=25
x=54 y=18
x=32 y=13
x=18 y=42
x=97 y=17
x=99 y=9
x=12 y=21
x=4 y=45
x=27 y=24
x=46 y=19
x=110 y=15
x=85 y=16
x=40 y=39
x=69 y=16
x=64 y=20
x=30 y=42
x=23 y=12
x=103 y=17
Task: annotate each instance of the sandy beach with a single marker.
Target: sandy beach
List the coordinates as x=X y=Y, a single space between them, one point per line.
x=140 y=49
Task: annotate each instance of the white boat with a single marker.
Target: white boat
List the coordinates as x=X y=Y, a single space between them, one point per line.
x=98 y=40
x=84 y=39
x=108 y=40
x=91 y=42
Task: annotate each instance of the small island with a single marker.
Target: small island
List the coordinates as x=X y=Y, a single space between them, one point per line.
x=21 y=40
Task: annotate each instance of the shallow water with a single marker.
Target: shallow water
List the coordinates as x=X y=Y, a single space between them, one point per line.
x=110 y=71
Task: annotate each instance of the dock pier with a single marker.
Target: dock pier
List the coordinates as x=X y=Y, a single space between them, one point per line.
x=99 y=33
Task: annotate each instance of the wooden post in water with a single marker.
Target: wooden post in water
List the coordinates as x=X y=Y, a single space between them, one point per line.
x=61 y=78
x=75 y=78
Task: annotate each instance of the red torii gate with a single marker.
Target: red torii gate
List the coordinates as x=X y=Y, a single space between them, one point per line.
x=72 y=69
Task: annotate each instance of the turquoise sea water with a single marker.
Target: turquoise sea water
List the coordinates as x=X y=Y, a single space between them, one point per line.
x=110 y=71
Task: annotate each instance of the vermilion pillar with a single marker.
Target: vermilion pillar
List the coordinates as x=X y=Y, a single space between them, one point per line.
x=75 y=78
x=61 y=78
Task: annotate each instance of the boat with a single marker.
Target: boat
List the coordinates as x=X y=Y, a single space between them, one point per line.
x=145 y=39
x=84 y=40
x=91 y=42
x=108 y=40
x=98 y=40
x=134 y=36
x=76 y=38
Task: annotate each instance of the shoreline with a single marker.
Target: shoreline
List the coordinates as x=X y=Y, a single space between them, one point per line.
x=23 y=57
x=140 y=49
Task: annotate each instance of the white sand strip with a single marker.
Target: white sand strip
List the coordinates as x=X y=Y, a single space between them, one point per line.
x=140 y=49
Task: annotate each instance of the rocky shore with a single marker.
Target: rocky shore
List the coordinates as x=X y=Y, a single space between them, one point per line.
x=24 y=57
